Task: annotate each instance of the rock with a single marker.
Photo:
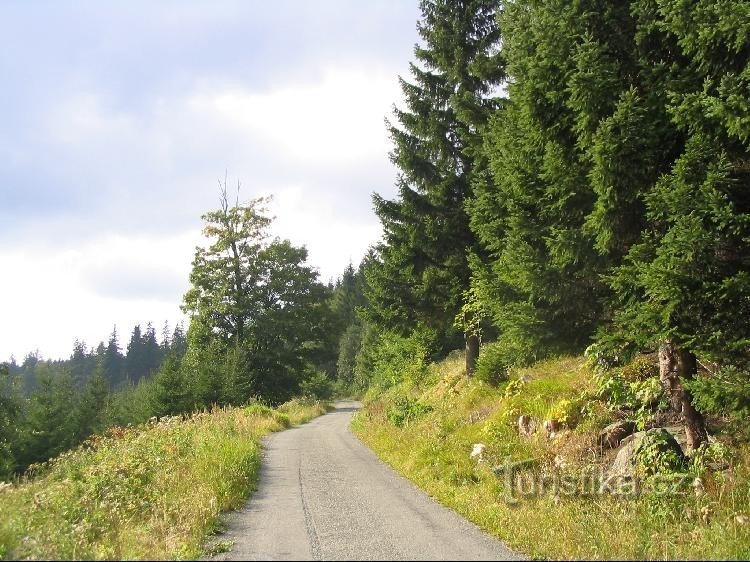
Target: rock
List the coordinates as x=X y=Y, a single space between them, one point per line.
x=478 y=451
x=667 y=450
x=611 y=436
x=623 y=465
x=526 y=426
x=678 y=432
x=742 y=519
x=552 y=427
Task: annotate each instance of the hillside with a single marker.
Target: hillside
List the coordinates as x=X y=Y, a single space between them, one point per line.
x=427 y=428
x=148 y=492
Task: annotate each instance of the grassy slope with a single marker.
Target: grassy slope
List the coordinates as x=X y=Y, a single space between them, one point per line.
x=148 y=492
x=433 y=449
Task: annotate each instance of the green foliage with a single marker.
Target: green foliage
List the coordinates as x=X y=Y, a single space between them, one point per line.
x=10 y=408
x=640 y=369
x=658 y=453
x=433 y=451
x=387 y=359
x=418 y=275
x=50 y=420
x=405 y=410
x=350 y=345
x=149 y=492
x=317 y=385
x=259 y=319
x=725 y=393
x=92 y=405
x=711 y=456
x=635 y=387
x=170 y=392
x=496 y=359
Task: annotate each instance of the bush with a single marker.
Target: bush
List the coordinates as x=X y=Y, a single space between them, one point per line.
x=387 y=359
x=497 y=358
x=727 y=393
x=318 y=385
x=406 y=410
x=261 y=410
x=658 y=453
x=635 y=386
x=640 y=369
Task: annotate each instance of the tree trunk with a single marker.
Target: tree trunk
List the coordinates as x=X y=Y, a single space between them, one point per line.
x=676 y=364
x=472 y=353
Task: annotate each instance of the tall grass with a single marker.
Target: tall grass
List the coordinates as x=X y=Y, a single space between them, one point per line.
x=433 y=450
x=149 y=492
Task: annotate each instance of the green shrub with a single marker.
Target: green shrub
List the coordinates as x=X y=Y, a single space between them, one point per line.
x=711 y=456
x=261 y=410
x=318 y=385
x=726 y=393
x=406 y=410
x=635 y=387
x=387 y=359
x=497 y=358
x=639 y=369
x=658 y=453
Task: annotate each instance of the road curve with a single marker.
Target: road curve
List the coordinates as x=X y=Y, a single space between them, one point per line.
x=324 y=496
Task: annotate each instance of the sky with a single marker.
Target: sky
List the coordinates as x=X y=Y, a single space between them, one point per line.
x=118 y=119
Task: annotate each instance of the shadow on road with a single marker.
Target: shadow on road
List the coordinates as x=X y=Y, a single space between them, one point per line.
x=346 y=409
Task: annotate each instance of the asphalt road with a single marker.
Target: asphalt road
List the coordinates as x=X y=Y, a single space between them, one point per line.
x=325 y=496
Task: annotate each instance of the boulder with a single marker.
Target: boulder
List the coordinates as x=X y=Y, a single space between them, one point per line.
x=612 y=435
x=624 y=461
x=655 y=450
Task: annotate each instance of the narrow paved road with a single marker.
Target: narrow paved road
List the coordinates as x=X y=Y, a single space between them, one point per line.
x=325 y=496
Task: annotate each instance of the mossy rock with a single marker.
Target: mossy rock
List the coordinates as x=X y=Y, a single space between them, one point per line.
x=657 y=452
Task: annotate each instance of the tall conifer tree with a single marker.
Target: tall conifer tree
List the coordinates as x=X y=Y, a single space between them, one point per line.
x=422 y=268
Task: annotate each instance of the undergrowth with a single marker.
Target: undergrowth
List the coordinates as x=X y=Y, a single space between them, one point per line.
x=433 y=450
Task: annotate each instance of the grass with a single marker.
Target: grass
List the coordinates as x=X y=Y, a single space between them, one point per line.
x=433 y=450
x=149 y=492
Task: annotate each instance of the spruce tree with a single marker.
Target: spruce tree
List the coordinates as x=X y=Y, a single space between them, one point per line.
x=114 y=362
x=422 y=267
x=92 y=404
x=685 y=286
x=50 y=422
x=151 y=351
x=135 y=355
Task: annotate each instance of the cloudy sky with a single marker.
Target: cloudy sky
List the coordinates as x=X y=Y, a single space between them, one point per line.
x=117 y=119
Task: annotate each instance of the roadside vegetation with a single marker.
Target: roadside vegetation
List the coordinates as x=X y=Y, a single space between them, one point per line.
x=426 y=426
x=149 y=492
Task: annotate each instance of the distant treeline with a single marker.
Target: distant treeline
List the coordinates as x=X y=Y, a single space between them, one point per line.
x=142 y=358
x=48 y=406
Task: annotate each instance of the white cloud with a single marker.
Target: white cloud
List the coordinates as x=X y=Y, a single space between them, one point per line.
x=330 y=236
x=320 y=147
x=49 y=299
x=337 y=120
